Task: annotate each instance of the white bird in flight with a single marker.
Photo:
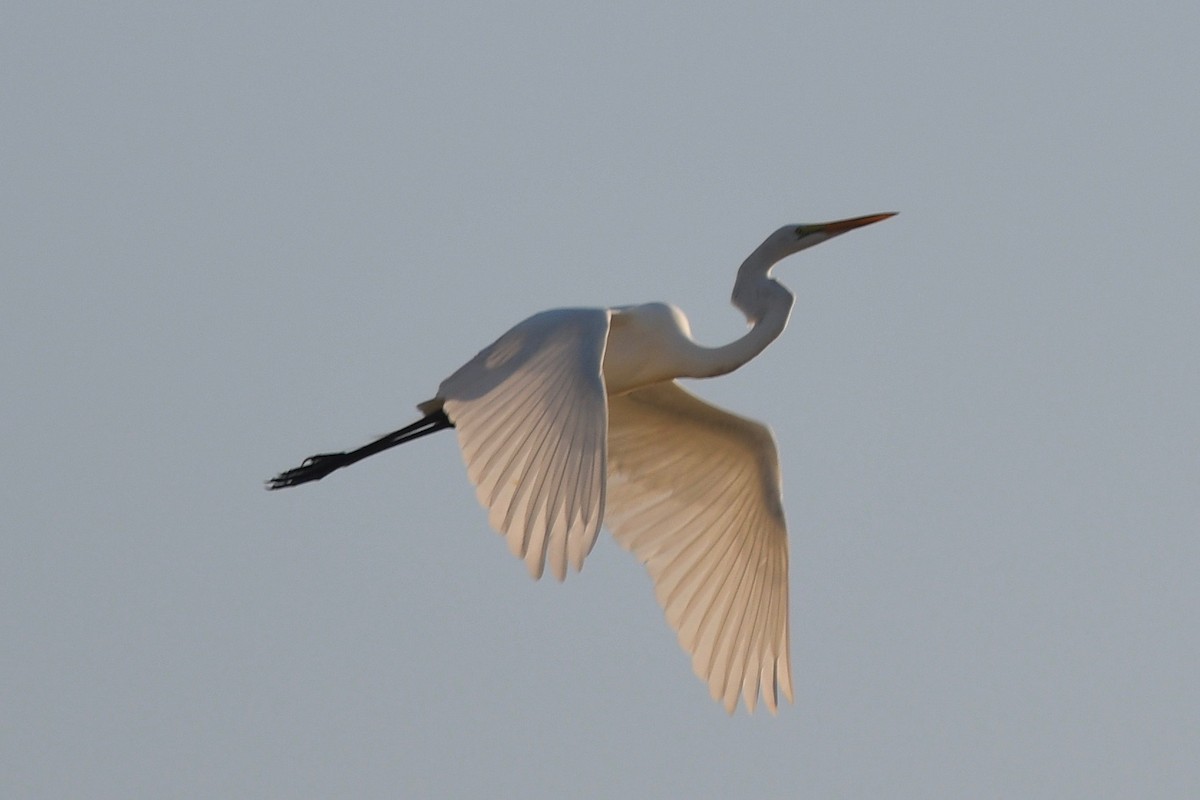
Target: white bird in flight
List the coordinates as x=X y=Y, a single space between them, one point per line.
x=574 y=418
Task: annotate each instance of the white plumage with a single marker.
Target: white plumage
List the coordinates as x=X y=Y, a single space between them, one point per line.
x=531 y=416
x=573 y=418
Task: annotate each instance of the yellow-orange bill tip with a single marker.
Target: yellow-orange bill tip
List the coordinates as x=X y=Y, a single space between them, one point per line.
x=843 y=225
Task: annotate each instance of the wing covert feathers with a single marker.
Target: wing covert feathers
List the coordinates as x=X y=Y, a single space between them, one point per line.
x=694 y=493
x=692 y=490
x=531 y=416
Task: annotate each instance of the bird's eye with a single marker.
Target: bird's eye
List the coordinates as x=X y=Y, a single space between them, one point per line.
x=800 y=231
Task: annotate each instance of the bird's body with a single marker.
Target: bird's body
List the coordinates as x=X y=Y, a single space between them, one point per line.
x=628 y=363
x=573 y=418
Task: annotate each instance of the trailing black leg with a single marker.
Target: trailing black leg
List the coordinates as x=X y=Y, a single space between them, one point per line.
x=316 y=467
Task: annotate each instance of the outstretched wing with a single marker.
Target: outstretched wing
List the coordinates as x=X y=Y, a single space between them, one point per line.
x=694 y=493
x=531 y=416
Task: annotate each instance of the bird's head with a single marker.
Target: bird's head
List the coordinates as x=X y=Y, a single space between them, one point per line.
x=794 y=238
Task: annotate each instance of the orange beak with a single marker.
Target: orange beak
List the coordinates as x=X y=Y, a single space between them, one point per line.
x=843 y=225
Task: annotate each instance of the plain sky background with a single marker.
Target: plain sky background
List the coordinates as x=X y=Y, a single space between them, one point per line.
x=237 y=234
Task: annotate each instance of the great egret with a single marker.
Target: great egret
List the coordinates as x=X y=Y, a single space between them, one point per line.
x=573 y=418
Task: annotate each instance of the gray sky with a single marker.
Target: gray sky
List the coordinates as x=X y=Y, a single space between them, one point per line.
x=238 y=234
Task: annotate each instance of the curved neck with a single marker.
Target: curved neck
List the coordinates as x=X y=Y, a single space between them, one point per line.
x=767 y=305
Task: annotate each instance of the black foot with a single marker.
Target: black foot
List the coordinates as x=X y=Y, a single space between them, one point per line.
x=313 y=469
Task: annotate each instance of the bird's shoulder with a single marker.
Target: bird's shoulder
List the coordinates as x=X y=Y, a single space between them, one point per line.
x=653 y=316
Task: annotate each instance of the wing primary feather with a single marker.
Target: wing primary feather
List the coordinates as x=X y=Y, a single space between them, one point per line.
x=784 y=644
x=516 y=453
x=560 y=503
x=694 y=547
x=507 y=437
x=694 y=493
x=724 y=656
x=552 y=489
x=575 y=510
x=526 y=412
x=542 y=521
x=763 y=632
x=777 y=607
x=750 y=666
x=712 y=481
x=735 y=639
x=520 y=411
x=541 y=432
x=702 y=613
x=784 y=671
x=549 y=492
x=766 y=676
x=695 y=570
x=715 y=605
